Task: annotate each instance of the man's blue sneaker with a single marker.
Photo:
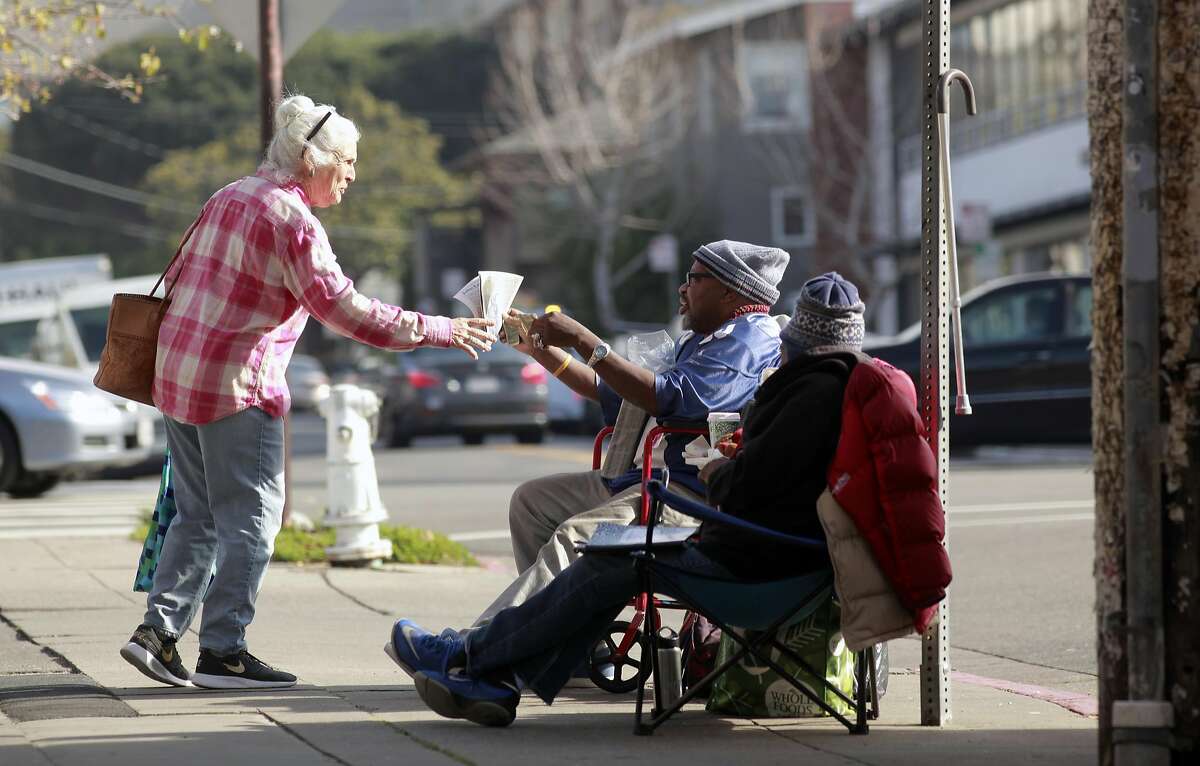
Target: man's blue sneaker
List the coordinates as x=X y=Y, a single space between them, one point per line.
x=454 y=694
x=417 y=650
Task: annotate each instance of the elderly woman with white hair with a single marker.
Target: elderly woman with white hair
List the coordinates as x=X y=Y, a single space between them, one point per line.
x=253 y=267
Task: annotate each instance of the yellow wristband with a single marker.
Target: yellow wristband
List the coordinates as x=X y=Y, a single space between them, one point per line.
x=562 y=367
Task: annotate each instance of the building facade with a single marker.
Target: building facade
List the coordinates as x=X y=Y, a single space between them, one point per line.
x=755 y=141
x=1020 y=166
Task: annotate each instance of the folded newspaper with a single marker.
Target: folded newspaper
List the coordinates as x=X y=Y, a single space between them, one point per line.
x=613 y=537
x=490 y=295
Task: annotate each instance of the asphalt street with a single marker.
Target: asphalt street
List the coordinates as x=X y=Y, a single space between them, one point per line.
x=1021 y=531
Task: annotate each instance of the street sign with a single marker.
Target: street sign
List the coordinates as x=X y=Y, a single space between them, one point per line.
x=663 y=253
x=974 y=222
x=298 y=19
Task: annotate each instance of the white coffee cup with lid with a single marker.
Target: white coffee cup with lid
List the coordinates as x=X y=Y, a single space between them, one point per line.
x=721 y=424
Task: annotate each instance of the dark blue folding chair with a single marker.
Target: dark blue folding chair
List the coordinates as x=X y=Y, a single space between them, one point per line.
x=762 y=607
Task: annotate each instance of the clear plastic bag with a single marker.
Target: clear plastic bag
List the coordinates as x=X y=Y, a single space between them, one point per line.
x=653 y=350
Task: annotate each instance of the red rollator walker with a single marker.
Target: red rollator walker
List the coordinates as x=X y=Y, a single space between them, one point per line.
x=613 y=664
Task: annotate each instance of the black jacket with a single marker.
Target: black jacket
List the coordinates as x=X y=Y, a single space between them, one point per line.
x=789 y=436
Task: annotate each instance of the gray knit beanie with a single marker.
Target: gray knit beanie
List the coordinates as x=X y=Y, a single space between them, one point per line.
x=750 y=270
x=828 y=317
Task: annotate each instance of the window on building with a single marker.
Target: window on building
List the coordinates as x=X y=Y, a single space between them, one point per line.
x=1027 y=61
x=774 y=81
x=793 y=220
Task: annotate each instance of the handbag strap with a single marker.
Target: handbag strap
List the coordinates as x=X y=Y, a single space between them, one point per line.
x=178 y=252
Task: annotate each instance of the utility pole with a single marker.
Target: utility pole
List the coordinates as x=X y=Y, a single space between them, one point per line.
x=1144 y=126
x=270 y=66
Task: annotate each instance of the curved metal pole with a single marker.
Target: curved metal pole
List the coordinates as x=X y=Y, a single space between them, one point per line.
x=948 y=78
x=962 y=404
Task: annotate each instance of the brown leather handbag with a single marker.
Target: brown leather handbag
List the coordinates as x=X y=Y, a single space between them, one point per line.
x=131 y=339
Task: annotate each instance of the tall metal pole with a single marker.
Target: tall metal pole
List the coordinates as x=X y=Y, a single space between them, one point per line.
x=934 y=386
x=270 y=68
x=270 y=62
x=1141 y=725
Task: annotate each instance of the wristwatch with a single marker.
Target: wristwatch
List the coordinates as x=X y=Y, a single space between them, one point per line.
x=599 y=354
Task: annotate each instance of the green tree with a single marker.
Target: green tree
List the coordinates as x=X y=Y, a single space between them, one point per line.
x=101 y=135
x=201 y=99
x=43 y=43
x=398 y=174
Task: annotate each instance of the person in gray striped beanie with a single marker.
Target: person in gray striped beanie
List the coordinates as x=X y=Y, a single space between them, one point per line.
x=749 y=270
x=828 y=317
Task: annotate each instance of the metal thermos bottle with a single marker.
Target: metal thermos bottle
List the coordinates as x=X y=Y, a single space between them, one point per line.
x=668 y=687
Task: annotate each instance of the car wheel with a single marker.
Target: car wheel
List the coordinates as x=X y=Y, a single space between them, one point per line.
x=10 y=456
x=33 y=484
x=472 y=439
x=531 y=436
x=391 y=435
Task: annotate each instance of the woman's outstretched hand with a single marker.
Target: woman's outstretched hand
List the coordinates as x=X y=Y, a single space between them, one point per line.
x=470 y=335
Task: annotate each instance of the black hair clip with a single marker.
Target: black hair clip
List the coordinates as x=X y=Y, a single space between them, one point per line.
x=317 y=128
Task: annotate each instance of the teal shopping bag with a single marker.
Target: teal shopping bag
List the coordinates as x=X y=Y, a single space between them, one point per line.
x=164 y=513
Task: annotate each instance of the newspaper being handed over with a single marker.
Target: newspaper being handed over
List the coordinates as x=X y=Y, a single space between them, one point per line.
x=490 y=295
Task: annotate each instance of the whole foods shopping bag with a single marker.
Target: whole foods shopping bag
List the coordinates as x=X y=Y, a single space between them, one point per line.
x=750 y=688
x=164 y=513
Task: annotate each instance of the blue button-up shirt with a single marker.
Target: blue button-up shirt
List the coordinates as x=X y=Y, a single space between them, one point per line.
x=712 y=373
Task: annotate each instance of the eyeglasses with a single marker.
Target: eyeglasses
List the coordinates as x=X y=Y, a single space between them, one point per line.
x=694 y=276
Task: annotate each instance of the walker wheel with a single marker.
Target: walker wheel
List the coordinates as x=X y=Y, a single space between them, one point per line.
x=613 y=671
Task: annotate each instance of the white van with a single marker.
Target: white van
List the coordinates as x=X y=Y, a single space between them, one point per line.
x=70 y=332
x=45 y=279
x=82 y=316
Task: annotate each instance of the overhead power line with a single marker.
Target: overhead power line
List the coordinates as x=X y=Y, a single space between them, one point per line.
x=135 y=197
x=124 y=140
x=84 y=220
x=93 y=185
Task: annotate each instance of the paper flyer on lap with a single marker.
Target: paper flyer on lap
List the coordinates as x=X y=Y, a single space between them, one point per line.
x=609 y=536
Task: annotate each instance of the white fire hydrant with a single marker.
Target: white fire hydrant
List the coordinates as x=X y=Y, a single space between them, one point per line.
x=355 y=508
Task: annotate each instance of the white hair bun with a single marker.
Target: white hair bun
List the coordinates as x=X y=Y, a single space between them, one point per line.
x=291 y=108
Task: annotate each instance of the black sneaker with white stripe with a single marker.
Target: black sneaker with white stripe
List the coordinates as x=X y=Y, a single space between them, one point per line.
x=153 y=653
x=241 y=670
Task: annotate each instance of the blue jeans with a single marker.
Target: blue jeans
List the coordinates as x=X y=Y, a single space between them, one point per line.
x=228 y=478
x=544 y=639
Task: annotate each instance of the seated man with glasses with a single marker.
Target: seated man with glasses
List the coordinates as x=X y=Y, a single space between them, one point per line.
x=730 y=340
x=774 y=480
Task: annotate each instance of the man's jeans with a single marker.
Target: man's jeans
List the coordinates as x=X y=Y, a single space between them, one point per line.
x=547 y=637
x=228 y=478
x=548 y=516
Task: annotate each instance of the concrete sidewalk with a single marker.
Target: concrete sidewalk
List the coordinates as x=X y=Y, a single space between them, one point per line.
x=68 y=699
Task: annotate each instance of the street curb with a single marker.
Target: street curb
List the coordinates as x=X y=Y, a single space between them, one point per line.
x=1081 y=704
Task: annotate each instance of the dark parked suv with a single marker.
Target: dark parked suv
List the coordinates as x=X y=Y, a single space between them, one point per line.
x=441 y=391
x=1026 y=341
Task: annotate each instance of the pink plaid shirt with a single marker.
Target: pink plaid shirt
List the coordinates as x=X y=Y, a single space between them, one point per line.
x=256 y=266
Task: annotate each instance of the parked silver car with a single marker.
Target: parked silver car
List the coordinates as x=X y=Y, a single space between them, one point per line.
x=306 y=381
x=53 y=421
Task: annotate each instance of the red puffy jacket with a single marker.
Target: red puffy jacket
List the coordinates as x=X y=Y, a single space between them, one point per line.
x=885 y=476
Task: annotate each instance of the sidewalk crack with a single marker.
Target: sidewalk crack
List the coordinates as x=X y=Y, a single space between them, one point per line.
x=58 y=658
x=998 y=656
x=302 y=739
x=809 y=745
x=433 y=746
x=352 y=598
